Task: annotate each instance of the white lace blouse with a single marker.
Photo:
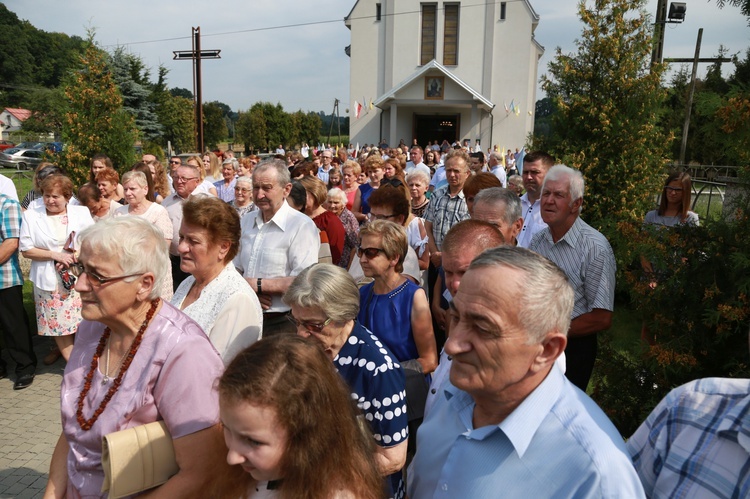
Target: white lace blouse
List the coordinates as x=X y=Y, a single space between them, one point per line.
x=228 y=310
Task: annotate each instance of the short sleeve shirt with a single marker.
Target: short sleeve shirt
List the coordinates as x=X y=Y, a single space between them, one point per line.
x=10 y=228
x=445 y=211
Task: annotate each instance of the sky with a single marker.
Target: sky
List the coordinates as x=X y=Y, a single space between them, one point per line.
x=303 y=66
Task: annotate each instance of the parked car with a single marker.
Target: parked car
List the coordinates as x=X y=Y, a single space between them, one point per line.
x=53 y=147
x=21 y=159
x=29 y=145
x=6 y=144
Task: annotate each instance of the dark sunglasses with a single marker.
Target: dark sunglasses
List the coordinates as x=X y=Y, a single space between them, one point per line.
x=370 y=253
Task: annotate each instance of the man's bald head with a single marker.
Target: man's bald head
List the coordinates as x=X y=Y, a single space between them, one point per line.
x=465 y=241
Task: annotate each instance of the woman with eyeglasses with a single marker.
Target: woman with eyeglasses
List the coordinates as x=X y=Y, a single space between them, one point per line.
x=136 y=360
x=243 y=196
x=324 y=303
x=49 y=239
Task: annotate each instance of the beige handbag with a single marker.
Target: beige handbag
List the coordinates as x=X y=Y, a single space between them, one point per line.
x=137 y=459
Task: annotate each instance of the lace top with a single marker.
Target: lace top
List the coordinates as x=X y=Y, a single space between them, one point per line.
x=228 y=310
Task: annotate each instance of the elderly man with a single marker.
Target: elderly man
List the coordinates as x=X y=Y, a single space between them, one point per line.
x=185 y=179
x=586 y=257
x=447 y=206
x=535 y=168
x=277 y=243
x=415 y=161
x=695 y=442
x=14 y=323
x=497 y=168
x=509 y=423
x=501 y=208
x=465 y=241
x=325 y=168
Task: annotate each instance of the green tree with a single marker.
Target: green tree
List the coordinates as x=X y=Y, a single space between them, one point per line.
x=608 y=100
x=132 y=79
x=49 y=107
x=182 y=92
x=95 y=121
x=175 y=114
x=214 y=126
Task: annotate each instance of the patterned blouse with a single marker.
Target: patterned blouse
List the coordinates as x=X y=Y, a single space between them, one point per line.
x=351 y=227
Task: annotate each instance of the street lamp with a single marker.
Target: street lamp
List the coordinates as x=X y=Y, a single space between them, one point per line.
x=676 y=14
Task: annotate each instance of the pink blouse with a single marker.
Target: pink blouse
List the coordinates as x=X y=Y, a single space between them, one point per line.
x=171 y=378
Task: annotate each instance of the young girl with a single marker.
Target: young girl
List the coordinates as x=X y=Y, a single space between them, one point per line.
x=291 y=427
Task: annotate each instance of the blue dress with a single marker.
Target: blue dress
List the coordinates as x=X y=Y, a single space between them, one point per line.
x=389 y=317
x=365 y=191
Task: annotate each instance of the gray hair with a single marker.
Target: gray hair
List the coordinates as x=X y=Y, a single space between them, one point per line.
x=336 y=192
x=231 y=161
x=326 y=287
x=136 y=244
x=516 y=180
x=245 y=178
x=418 y=175
x=576 y=184
x=511 y=202
x=547 y=297
x=135 y=176
x=277 y=165
x=497 y=155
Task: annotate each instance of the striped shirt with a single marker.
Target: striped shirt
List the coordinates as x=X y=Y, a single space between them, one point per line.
x=10 y=228
x=586 y=257
x=445 y=211
x=696 y=443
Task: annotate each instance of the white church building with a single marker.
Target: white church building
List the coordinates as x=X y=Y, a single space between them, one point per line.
x=443 y=70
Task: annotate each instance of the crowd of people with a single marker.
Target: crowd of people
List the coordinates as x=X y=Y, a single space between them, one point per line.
x=348 y=323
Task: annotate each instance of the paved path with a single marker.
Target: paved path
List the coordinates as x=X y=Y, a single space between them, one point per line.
x=29 y=427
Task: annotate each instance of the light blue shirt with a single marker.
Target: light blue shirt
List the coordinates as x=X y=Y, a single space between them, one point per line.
x=557 y=443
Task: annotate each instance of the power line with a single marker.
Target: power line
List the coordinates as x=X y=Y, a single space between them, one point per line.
x=295 y=25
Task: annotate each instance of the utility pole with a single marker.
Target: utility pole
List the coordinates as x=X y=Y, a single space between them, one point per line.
x=196 y=55
x=661 y=18
x=335 y=111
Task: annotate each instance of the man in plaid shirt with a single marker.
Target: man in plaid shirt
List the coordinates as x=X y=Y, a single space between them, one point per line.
x=14 y=323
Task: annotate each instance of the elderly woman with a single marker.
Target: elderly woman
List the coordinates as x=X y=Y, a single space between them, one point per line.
x=136 y=189
x=418 y=182
x=215 y=295
x=349 y=173
x=143 y=167
x=324 y=219
x=374 y=168
x=91 y=197
x=49 y=240
x=515 y=184
x=243 y=196
x=108 y=182
x=99 y=163
x=337 y=205
x=325 y=303
x=225 y=187
x=136 y=360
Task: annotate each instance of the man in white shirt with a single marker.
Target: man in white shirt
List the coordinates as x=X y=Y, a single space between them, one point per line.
x=415 y=154
x=497 y=168
x=535 y=168
x=277 y=243
x=185 y=179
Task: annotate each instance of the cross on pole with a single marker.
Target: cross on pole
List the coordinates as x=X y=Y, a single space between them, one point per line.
x=196 y=55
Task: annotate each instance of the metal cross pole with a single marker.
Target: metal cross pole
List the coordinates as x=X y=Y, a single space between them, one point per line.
x=196 y=55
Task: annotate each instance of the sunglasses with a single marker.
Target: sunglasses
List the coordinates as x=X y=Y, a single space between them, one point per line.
x=308 y=326
x=175 y=162
x=370 y=253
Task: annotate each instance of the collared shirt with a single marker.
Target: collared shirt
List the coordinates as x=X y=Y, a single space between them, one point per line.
x=411 y=167
x=445 y=211
x=281 y=247
x=173 y=203
x=10 y=228
x=586 y=257
x=556 y=443
x=532 y=221
x=499 y=172
x=696 y=443
x=323 y=174
x=439 y=180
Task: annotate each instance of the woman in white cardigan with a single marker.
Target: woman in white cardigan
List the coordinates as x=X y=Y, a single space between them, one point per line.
x=48 y=239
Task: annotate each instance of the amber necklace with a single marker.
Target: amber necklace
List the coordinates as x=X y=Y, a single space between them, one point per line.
x=84 y=423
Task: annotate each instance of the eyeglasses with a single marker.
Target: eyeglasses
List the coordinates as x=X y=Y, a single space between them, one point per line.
x=174 y=162
x=180 y=180
x=243 y=191
x=77 y=269
x=308 y=326
x=371 y=217
x=370 y=253
x=674 y=189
